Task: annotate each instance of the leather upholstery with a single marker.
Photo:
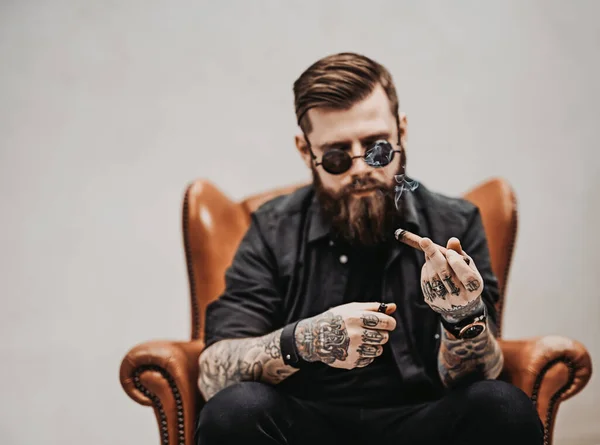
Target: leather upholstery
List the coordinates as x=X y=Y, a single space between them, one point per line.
x=164 y=374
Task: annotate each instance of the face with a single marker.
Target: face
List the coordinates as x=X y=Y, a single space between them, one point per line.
x=360 y=201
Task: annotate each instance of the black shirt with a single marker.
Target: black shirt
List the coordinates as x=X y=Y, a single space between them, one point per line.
x=288 y=267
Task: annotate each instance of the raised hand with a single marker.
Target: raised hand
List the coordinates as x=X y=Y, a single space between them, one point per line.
x=450 y=285
x=347 y=336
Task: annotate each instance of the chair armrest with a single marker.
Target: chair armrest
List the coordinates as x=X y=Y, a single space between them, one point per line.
x=164 y=374
x=549 y=369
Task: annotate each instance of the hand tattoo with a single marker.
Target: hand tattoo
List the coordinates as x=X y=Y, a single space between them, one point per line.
x=454 y=290
x=364 y=361
x=370 y=321
x=374 y=337
x=434 y=289
x=473 y=285
x=366 y=354
x=323 y=338
x=367 y=350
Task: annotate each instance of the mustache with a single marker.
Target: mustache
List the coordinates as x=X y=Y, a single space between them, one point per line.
x=360 y=184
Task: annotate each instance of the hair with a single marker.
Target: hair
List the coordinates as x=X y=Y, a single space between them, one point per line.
x=339 y=81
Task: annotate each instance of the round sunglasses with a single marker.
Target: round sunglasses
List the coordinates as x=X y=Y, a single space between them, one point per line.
x=337 y=161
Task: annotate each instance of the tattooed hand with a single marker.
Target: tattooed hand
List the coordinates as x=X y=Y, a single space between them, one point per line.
x=347 y=336
x=450 y=286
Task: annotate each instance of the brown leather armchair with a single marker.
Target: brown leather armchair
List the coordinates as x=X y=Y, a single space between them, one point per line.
x=164 y=374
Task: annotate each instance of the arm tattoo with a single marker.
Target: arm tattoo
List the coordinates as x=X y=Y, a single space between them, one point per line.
x=477 y=358
x=237 y=360
x=323 y=338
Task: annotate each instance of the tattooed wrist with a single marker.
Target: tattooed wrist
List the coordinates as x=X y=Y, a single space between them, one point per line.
x=458 y=313
x=322 y=338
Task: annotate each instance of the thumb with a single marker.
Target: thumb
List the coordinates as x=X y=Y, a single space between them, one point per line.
x=390 y=309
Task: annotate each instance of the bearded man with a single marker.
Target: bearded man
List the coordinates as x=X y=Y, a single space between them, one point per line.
x=329 y=330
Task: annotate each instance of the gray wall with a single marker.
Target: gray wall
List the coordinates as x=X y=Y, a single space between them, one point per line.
x=108 y=109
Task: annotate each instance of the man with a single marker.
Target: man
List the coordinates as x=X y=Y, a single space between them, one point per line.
x=329 y=330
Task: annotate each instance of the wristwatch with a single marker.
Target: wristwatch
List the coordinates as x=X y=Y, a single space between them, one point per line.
x=470 y=326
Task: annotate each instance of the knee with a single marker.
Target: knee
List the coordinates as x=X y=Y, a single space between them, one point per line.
x=500 y=406
x=236 y=411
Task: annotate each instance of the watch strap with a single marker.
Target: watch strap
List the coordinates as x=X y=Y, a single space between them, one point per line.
x=468 y=327
x=289 y=352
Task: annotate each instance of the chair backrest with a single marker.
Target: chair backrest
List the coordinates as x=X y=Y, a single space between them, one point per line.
x=213 y=226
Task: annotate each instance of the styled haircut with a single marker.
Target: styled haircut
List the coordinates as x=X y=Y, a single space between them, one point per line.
x=339 y=81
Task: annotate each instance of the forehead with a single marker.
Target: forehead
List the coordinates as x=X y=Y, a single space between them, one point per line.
x=371 y=115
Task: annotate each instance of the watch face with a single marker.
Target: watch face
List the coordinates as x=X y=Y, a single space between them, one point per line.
x=472 y=331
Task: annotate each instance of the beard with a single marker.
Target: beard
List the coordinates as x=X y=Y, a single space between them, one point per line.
x=367 y=220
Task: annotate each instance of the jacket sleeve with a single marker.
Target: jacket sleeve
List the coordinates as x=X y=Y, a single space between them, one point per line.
x=250 y=305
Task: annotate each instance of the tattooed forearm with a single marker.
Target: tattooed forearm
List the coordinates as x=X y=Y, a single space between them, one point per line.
x=249 y=359
x=477 y=358
x=323 y=338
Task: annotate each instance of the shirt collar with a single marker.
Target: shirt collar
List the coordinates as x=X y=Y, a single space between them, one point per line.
x=411 y=219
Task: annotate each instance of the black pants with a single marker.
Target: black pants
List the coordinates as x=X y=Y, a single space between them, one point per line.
x=486 y=412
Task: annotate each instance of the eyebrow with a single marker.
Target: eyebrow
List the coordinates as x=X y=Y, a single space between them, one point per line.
x=370 y=138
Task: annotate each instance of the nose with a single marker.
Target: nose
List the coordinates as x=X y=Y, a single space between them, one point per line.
x=359 y=166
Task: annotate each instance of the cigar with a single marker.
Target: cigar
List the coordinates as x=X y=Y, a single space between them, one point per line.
x=412 y=240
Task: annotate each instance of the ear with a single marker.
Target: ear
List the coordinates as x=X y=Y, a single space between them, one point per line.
x=302 y=148
x=403 y=127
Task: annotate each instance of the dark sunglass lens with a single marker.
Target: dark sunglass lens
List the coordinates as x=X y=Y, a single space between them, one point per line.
x=379 y=154
x=336 y=161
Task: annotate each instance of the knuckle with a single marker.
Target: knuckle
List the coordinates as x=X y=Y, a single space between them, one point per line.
x=445 y=273
x=454 y=259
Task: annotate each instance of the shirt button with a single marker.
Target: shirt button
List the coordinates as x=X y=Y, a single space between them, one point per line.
x=343 y=259
x=331 y=242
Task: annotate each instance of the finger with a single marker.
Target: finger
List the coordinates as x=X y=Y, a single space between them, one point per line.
x=374 y=320
x=362 y=362
x=440 y=266
x=431 y=285
x=375 y=337
x=430 y=249
x=390 y=307
x=368 y=353
x=452 y=284
x=468 y=277
x=454 y=244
